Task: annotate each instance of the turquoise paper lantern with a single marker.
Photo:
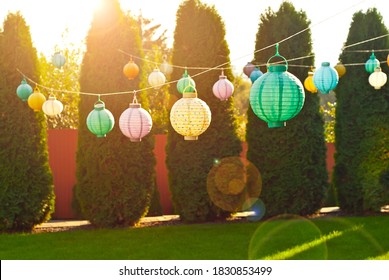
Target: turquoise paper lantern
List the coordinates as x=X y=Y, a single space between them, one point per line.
x=372 y=63
x=24 y=90
x=325 y=78
x=277 y=96
x=186 y=83
x=255 y=74
x=100 y=121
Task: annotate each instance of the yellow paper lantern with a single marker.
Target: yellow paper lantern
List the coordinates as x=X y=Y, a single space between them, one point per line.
x=340 y=68
x=309 y=84
x=36 y=100
x=387 y=60
x=190 y=116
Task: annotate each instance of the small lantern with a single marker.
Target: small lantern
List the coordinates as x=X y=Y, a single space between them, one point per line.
x=341 y=69
x=372 y=63
x=156 y=79
x=52 y=106
x=131 y=70
x=277 y=96
x=387 y=60
x=255 y=74
x=377 y=79
x=24 y=90
x=135 y=122
x=58 y=60
x=248 y=68
x=325 y=78
x=165 y=67
x=190 y=116
x=186 y=83
x=36 y=100
x=223 y=88
x=100 y=121
x=308 y=83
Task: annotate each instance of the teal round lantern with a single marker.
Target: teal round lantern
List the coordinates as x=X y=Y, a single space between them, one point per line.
x=372 y=63
x=24 y=90
x=186 y=83
x=277 y=96
x=100 y=121
x=325 y=78
x=255 y=74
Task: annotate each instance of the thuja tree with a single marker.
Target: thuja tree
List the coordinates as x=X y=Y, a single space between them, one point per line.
x=361 y=127
x=291 y=159
x=26 y=184
x=115 y=176
x=199 y=40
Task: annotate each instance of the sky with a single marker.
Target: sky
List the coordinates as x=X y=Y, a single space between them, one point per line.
x=330 y=21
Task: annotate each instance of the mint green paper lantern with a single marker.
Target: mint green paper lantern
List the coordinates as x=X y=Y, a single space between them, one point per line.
x=277 y=96
x=372 y=63
x=100 y=121
x=24 y=90
x=186 y=83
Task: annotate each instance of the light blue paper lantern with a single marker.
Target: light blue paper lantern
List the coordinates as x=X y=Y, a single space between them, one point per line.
x=58 y=60
x=372 y=63
x=100 y=121
x=24 y=90
x=325 y=78
x=277 y=96
x=255 y=74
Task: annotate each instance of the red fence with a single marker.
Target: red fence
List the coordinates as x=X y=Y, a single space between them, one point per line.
x=62 y=156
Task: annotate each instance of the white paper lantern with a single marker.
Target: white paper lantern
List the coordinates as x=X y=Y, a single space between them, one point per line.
x=165 y=67
x=156 y=79
x=52 y=106
x=223 y=88
x=135 y=122
x=377 y=79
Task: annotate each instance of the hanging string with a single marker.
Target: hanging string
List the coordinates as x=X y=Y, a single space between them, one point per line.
x=365 y=41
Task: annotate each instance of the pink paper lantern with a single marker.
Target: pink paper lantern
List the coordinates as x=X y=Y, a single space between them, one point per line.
x=135 y=122
x=223 y=88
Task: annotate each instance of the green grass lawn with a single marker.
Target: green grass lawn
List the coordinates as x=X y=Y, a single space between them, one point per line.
x=321 y=238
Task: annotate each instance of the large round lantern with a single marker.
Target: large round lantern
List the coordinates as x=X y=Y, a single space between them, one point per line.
x=58 y=60
x=325 y=78
x=100 y=121
x=52 y=106
x=186 y=83
x=277 y=96
x=223 y=88
x=36 y=100
x=309 y=84
x=135 y=122
x=156 y=79
x=255 y=74
x=165 y=67
x=341 y=69
x=377 y=79
x=248 y=68
x=24 y=90
x=190 y=116
x=131 y=70
x=372 y=63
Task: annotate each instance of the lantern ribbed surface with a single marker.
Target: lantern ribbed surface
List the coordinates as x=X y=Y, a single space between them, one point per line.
x=341 y=69
x=255 y=74
x=248 y=68
x=223 y=88
x=156 y=79
x=325 y=78
x=277 y=96
x=186 y=83
x=190 y=116
x=52 y=107
x=100 y=121
x=36 y=100
x=377 y=79
x=372 y=63
x=135 y=122
x=58 y=60
x=131 y=70
x=24 y=90
x=309 y=84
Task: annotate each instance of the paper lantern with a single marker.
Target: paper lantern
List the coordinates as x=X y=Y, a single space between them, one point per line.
x=308 y=83
x=156 y=79
x=52 y=106
x=131 y=70
x=372 y=63
x=100 y=121
x=377 y=79
x=277 y=96
x=255 y=74
x=387 y=60
x=36 y=100
x=165 y=67
x=58 y=60
x=135 y=122
x=186 y=83
x=190 y=116
x=223 y=88
x=341 y=69
x=24 y=90
x=248 y=68
x=325 y=78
